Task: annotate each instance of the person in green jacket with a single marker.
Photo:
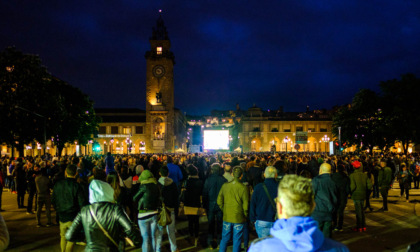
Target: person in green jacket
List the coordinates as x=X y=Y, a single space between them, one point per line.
x=233 y=199
x=359 y=184
x=384 y=183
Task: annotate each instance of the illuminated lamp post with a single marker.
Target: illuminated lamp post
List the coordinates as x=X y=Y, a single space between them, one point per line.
x=111 y=145
x=285 y=140
x=325 y=139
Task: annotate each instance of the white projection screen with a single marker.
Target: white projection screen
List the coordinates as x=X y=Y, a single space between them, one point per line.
x=216 y=139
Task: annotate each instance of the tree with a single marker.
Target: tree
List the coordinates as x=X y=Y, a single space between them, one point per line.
x=37 y=105
x=23 y=83
x=361 y=122
x=402 y=108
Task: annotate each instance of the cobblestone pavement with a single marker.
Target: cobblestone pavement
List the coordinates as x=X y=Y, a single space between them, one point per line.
x=386 y=231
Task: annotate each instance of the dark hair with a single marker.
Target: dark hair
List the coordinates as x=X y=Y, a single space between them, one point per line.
x=192 y=170
x=340 y=168
x=169 y=159
x=237 y=171
x=100 y=175
x=71 y=170
x=164 y=171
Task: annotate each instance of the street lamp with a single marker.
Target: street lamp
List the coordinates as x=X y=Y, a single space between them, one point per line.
x=326 y=139
x=286 y=139
x=112 y=144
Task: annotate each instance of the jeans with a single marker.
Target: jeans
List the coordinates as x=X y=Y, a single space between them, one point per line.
x=384 y=193
x=238 y=229
x=148 y=229
x=170 y=230
x=193 y=225
x=326 y=228
x=32 y=195
x=41 y=202
x=360 y=214
x=66 y=246
x=215 y=220
x=263 y=228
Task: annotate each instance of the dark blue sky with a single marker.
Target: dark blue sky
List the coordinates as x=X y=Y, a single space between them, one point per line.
x=271 y=53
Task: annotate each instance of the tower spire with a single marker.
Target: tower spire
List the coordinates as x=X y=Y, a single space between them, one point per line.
x=159 y=32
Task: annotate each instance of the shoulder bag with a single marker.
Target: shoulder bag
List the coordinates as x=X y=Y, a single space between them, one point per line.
x=105 y=232
x=270 y=199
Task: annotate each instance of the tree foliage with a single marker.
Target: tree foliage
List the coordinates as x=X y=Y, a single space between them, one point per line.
x=33 y=101
x=381 y=119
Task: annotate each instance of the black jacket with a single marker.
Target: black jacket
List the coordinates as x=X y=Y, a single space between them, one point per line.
x=211 y=190
x=194 y=188
x=68 y=198
x=113 y=219
x=261 y=207
x=148 y=197
x=169 y=192
x=325 y=191
x=343 y=184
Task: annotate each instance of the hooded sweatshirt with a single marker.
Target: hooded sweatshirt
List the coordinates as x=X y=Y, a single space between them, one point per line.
x=296 y=234
x=169 y=192
x=100 y=191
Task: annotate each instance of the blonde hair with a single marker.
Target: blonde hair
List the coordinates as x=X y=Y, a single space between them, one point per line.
x=296 y=195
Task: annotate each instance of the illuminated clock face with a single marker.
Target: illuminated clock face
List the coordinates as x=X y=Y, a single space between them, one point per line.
x=158 y=71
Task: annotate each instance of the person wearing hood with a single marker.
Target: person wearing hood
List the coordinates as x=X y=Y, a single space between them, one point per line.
x=295 y=230
x=109 y=215
x=148 y=204
x=169 y=196
x=359 y=184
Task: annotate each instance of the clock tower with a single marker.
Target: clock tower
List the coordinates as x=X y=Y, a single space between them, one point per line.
x=160 y=92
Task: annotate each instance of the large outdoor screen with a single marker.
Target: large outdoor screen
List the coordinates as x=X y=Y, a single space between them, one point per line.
x=216 y=139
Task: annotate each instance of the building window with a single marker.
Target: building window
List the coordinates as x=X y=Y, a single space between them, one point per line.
x=102 y=130
x=299 y=128
x=286 y=130
x=256 y=129
x=139 y=130
x=311 y=129
x=323 y=130
x=159 y=50
x=127 y=130
x=274 y=130
x=114 y=129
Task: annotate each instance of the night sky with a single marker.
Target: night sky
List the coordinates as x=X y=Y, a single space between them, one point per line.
x=274 y=53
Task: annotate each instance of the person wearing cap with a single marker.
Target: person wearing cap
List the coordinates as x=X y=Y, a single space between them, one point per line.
x=326 y=199
x=110 y=216
x=211 y=190
x=384 y=183
x=359 y=184
x=233 y=199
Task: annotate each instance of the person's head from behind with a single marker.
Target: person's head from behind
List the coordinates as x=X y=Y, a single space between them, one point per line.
x=237 y=172
x=295 y=197
x=164 y=171
x=71 y=171
x=228 y=168
x=270 y=172
x=192 y=170
x=324 y=168
x=215 y=168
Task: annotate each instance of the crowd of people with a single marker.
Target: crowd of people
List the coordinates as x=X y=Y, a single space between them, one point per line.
x=108 y=201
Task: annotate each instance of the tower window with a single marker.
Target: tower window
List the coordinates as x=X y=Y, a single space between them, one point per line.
x=159 y=50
